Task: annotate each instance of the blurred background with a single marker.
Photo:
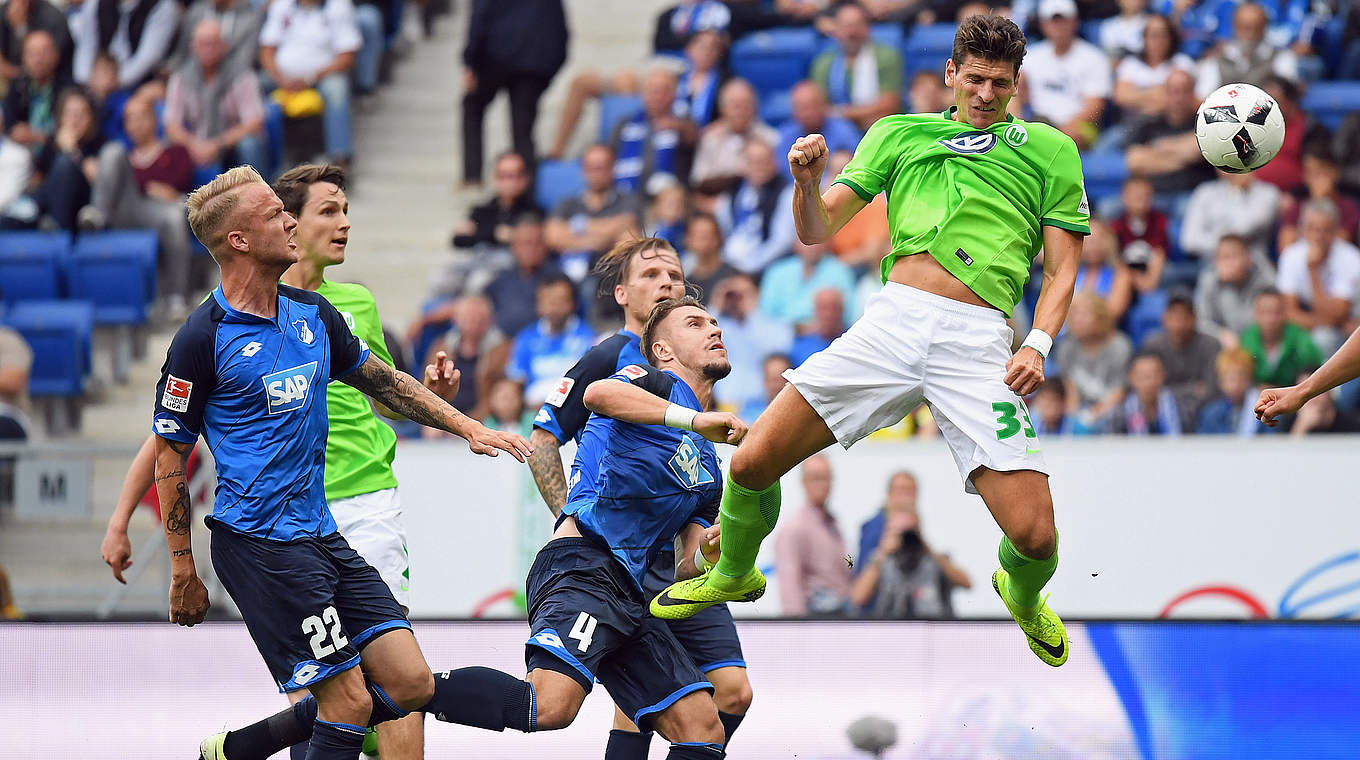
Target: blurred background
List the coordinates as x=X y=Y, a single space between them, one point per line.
x=495 y=150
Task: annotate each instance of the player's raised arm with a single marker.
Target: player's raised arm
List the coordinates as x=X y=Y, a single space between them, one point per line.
x=1062 y=253
x=816 y=215
x=188 y=596
x=116 y=549
x=405 y=395
x=629 y=403
x=1343 y=366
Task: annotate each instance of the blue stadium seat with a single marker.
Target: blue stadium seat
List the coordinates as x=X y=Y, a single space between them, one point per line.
x=207 y=173
x=776 y=107
x=31 y=264
x=556 y=181
x=138 y=245
x=114 y=280
x=886 y=34
x=1090 y=30
x=774 y=59
x=614 y=109
x=927 y=47
x=60 y=334
x=1105 y=173
x=1330 y=102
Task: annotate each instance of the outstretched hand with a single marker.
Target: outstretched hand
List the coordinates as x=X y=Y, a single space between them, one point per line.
x=483 y=440
x=1276 y=401
x=720 y=427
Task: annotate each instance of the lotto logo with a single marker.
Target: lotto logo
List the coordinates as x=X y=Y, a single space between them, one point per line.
x=688 y=466
x=251 y=349
x=287 y=389
x=167 y=426
x=176 y=395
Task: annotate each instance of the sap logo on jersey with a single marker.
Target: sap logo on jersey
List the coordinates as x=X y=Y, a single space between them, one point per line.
x=973 y=142
x=688 y=465
x=287 y=389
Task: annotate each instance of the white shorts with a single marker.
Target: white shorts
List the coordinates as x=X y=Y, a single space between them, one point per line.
x=371 y=523
x=912 y=346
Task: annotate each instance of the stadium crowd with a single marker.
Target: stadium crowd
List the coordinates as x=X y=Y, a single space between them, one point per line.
x=1195 y=287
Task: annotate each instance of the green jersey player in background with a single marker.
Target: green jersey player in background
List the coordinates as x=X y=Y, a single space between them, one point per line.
x=973 y=194
x=361 y=489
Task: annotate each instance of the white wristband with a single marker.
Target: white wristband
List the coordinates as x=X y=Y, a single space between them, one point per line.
x=700 y=561
x=679 y=417
x=1039 y=341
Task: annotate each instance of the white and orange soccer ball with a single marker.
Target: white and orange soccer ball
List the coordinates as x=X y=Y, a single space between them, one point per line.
x=1239 y=128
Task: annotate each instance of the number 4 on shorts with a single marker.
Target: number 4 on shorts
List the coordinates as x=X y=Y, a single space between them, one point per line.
x=1010 y=425
x=583 y=631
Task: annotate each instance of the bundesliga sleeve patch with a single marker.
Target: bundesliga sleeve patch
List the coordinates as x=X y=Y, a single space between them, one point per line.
x=559 y=393
x=633 y=371
x=176 y=395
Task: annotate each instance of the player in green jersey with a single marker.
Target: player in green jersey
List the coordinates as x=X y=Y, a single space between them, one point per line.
x=973 y=194
x=361 y=489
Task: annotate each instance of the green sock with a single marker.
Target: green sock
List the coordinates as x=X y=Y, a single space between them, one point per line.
x=1027 y=576
x=747 y=518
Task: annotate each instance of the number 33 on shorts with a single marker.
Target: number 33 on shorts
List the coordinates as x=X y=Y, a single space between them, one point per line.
x=1010 y=425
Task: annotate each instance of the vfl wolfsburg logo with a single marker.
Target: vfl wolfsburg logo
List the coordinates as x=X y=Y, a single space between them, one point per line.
x=1016 y=135
x=972 y=142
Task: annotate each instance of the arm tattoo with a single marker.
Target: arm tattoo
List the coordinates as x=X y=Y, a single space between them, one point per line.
x=177 y=519
x=181 y=552
x=404 y=395
x=177 y=473
x=546 y=465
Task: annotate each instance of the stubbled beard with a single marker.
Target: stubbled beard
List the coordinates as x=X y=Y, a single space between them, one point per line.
x=717 y=370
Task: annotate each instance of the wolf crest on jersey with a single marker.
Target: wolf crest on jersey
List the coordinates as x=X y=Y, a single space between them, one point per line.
x=288 y=388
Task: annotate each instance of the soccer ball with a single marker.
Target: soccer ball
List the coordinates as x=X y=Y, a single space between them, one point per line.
x=1239 y=128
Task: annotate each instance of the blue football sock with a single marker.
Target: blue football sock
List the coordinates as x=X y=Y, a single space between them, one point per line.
x=335 y=741
x=483 y=698
x=261 y=740
x=696 y=751
x=627 y=745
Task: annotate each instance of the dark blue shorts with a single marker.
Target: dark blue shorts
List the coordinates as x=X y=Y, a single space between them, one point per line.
x=589 y=621
x=709 y=637
x=310 y=604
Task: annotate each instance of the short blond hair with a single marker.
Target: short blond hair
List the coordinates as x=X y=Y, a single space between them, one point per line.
x=212 y=204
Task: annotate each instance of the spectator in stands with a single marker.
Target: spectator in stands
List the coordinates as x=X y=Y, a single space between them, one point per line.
x=137 y=34
x=864 y=240
x=828 y=324
x=651 y=146
x=928 y=93
x=16 y=168
x=1140 y=79
x=68 y=161
x=902 y=492
x=1285 y=170
x=667 y=215
x=547 y=348
x=1346 y=143
x=239 y=22
x=809 y=551
x=1225 y=297
x=505 y=53
x=787 y=289
x=1320 y=415
x=1102 y=272
x=145 y=188
x=1163 y=148
x=213 y=109
x=811 y=113
x=1141 y=232
x=311 y=44
x=507 y=291
x=479 y=348
x=1125 y=34
x=1233 y=204
x=1067 y=79
x=677 y=24
x=1187 y=356
x=490 y=223
x=505 y=408
x=804 y=12
x=31 y=101
x=903 y=578
x=1320 y=276
x=584 y=226
x=1232 y=411
x=109 y=97
x=696 y=90
x=1049 y=407
x=1321 y=177
x=702 y=257
x=772 y=375
x=1281 y=349
x=749 y=336
x=718 y=157
x=754 y=217
x=1149 y=407
x=1093 y=360
x=861 y=78
x=1247 y=57
x=18 y=19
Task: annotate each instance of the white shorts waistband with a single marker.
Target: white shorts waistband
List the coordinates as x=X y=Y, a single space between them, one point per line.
x=907 y=294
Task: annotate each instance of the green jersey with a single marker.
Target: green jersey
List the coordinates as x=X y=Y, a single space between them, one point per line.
x=975 y=199
x=360 y=447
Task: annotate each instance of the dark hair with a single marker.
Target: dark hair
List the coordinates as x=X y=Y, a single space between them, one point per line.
x=1054 y=386
x=557 y=278
x=1234 y=238
x=1320 y=151
x=658 y=316
x=1271 y=292
x=1287 y=87
x=991 y=38
x=529 y=217
x=1172 y=32
x=1180 y=297
x=852 y=4
x=76 y=92
x=612 y=268
x=292 y=185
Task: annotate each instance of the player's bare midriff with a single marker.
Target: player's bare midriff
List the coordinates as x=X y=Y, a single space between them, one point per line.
x=567 y=529
x=923 y=272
